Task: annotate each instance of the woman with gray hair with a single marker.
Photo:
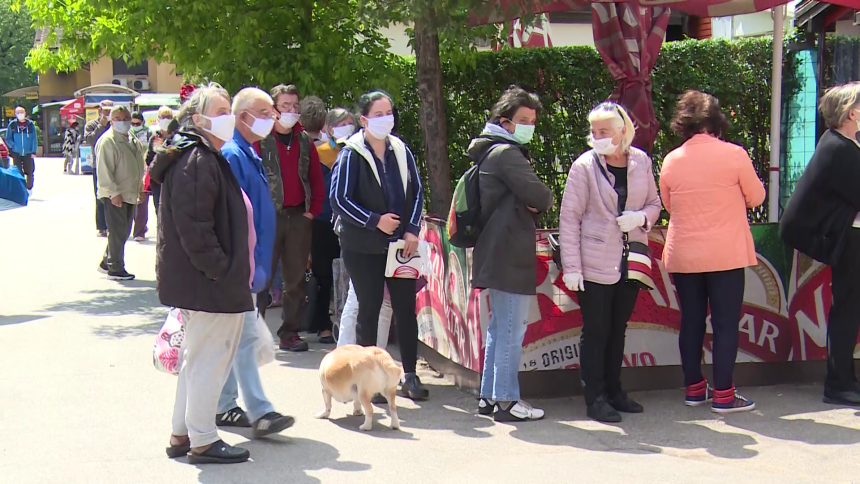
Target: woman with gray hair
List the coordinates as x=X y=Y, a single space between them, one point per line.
x=203 y=267
x=822 y=220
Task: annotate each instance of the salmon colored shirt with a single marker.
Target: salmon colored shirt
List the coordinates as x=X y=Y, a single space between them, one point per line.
x=707 y=185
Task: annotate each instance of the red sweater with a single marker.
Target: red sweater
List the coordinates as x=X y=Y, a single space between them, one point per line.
x=294 y=192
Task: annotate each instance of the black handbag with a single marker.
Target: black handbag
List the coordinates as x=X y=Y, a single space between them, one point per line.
x=635 y=256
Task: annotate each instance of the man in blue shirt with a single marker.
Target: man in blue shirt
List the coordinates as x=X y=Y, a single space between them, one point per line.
x=22 y=139
x=255 y=118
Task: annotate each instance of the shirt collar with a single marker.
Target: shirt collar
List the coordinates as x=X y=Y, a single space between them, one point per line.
x=243 y=144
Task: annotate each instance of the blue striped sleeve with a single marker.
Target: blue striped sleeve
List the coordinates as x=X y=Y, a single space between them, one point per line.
x=414 y=226
x=342 y=197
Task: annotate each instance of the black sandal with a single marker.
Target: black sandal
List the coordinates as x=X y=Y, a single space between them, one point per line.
x=181 y=450
x=220 y=453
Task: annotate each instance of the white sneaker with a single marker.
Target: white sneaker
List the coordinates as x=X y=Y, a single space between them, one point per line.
x=516 y=412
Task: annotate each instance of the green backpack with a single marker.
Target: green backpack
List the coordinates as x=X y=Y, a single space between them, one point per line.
x=464 y=218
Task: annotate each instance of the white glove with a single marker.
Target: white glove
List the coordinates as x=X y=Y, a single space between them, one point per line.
x=630 y=220
x=574 y=282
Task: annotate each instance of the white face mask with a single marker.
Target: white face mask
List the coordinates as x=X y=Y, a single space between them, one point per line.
x=261 y=127
x=121 y=127
x=341 y=132
x=20 y=116
x=163 y=124
x=288 y=120
x=380 y=127
x=221 y=126
x=604 y=146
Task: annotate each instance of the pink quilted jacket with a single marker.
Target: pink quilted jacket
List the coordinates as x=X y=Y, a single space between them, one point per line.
x=590 y=237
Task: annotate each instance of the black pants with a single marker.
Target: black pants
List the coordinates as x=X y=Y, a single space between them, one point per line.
x=101 y=224
x=119 y=220
x=844 y=318
x=26 y=166
x=724 y=292
x=368 y=277
x=605 y=312
x=156 y=195
x=324 y=251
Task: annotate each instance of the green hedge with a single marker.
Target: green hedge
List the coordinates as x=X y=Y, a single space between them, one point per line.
x=572 y=80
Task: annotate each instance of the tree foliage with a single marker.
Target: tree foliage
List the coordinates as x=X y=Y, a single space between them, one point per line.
x=322 y=47
x=16 y=38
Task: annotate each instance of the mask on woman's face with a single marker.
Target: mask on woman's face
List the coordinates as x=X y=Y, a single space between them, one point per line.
x=340 y=132
x=164 y=123
x=221 y=126
x=604 y=146
x=381 y=126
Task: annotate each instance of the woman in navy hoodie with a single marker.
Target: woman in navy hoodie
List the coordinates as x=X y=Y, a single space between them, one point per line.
x=379 y=198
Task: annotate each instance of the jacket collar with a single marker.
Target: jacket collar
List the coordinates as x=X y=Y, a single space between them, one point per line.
x=244 y=145
x=357 y=143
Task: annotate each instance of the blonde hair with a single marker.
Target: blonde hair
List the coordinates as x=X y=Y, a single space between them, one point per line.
x=609 y=111
x=837 y=103
x=165 y=112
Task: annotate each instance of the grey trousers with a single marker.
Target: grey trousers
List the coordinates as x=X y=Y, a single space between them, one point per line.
x=119 y=220
x=211 y=341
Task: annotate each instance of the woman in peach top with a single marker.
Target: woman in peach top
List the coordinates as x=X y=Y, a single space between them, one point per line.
x=707 y=185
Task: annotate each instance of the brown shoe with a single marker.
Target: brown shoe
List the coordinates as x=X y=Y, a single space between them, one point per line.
x=293 y=343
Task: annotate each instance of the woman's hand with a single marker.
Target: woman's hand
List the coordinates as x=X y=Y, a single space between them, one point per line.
x=411 y=246
x=388 y=223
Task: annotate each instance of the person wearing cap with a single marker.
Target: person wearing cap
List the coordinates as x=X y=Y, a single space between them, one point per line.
x=93 y=130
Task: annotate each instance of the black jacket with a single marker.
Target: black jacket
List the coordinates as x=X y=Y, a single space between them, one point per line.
x=504 y=257
x=202 y=260
x=825 y=200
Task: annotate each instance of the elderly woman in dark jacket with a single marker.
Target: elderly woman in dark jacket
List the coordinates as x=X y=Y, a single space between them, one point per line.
x=512 y=197
x=202 y=267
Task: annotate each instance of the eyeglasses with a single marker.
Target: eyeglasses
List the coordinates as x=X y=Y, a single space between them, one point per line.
x=288 y=107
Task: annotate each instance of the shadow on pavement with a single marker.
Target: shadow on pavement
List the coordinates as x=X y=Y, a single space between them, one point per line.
x=280 y=460
x=20 y=319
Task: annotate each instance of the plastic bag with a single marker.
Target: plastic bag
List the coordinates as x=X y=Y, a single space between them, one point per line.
x=264 y=347
x=168 y=344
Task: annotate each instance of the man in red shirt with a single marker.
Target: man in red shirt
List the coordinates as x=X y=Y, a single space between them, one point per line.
x=296 y=184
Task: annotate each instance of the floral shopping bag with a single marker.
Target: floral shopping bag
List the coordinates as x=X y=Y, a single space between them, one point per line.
x=168 y=344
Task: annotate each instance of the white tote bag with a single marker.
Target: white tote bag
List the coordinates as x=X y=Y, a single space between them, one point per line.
x=264 y=347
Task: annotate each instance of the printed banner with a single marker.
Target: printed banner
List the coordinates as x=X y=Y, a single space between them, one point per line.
x=786 y=302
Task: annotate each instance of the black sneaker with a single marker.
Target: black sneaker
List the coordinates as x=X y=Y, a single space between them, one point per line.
x=220 y=453
x=850 y=398
x=601 y=411
x=122 y=275
x=272 y=423
x=103 y=267
x=622 y=403
x=412 y=388
x=516 y=412
x=486 y=406
x=379 y=399
x=233 y=418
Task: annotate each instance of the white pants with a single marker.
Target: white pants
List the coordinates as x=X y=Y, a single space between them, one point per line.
x=349 y=319
x=211 y=341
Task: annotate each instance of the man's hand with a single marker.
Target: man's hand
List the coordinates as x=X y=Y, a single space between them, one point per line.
x=388 y=223
x=309 y=215
x=103 y=120
x=411 y=245
x=116 y=201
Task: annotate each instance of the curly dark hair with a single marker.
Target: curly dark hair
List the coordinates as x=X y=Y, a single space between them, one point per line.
x=699 y=112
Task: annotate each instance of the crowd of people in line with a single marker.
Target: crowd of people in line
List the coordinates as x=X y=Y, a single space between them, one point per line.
x=262 y=182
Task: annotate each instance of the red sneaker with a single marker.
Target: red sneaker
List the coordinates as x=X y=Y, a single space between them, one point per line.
x=293 y=343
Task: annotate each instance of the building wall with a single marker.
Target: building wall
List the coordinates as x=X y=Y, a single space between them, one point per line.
x=55 y=86
x=164 y=76
x=847 y=27
x=101 y=71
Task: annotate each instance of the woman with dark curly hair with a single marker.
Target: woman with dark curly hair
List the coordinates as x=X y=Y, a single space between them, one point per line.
x=708 y=184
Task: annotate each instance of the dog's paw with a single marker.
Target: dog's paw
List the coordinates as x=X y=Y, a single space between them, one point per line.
x=357 y=411
x=395 y=425
x=323 y=414
x=365 y=426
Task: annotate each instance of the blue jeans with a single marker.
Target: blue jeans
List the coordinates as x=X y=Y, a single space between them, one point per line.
x=509 y=315
x=246 y=375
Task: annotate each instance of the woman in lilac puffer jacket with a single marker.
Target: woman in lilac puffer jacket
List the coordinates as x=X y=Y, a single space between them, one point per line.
x=612 y=178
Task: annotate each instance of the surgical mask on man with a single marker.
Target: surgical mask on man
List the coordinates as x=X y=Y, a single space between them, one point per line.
x=340 y=132
x=221 y=126
x=604 y=146
x=261 y=127
x=380 y=127
x=20 y=116
x=121 y=127
x=523 y=133
x=163 y=123
x=288 y=120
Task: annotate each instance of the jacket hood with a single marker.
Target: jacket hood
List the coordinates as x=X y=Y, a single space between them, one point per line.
x=173 y=149
x=479 y=146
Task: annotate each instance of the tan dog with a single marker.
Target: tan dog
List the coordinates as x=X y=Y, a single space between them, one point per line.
x=355 y=373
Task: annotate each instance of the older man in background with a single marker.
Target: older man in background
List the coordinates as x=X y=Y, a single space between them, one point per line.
x=120 y=180
x=92 y=132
